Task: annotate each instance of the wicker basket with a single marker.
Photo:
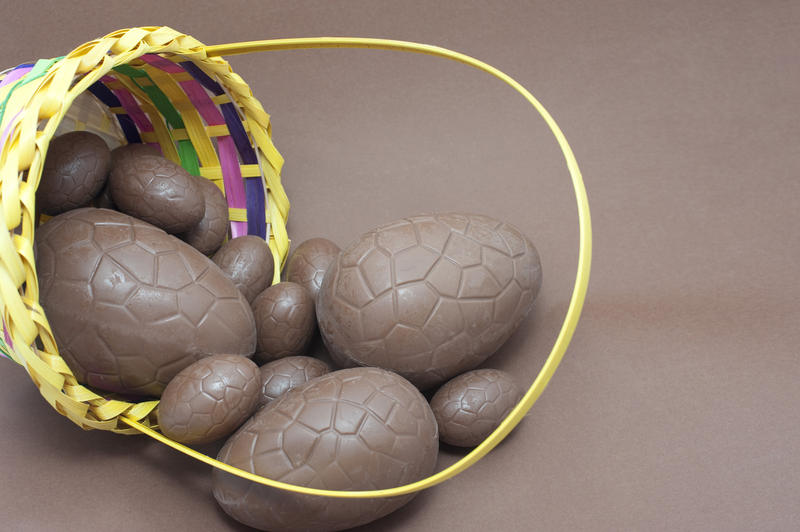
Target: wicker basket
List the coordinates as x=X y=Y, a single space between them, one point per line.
x=158 y=86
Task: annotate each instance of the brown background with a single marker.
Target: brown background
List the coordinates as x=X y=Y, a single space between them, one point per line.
x=676 y=407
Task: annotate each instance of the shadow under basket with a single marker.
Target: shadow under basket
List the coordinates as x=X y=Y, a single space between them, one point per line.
x=157 y=86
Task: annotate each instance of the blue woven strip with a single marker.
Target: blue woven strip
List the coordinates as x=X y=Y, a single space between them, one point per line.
x=127 y=124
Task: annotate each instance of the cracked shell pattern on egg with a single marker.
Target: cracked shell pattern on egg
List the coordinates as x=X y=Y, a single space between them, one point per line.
x=129 y=305
x=280 y=376
x=248 y=261
x=75 y=170
x=285 y=321
x=209 y=399
x=428 y=296
x=352 y=429
x=209 y=234
x=309 y=262
x=469 y=407
x=156 y=190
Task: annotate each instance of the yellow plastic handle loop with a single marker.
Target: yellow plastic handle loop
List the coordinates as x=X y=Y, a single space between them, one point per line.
x=575 y=304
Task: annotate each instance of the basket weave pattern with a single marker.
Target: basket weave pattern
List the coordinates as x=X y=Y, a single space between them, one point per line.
x=163 y=90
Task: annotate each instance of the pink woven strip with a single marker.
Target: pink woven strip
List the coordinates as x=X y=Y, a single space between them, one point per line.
x=228 y=155
x=131 y=106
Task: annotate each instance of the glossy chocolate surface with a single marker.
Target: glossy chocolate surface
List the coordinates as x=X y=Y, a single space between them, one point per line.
x=130 y=306
x=429 y=296
x=280 y=376
x=248 y=261
x=285 y=321
x=75 y=169
x=156 y=190
x=469 y=407
x=309 y=262
x=209 y=234
x=209 y=399
x=353 y=429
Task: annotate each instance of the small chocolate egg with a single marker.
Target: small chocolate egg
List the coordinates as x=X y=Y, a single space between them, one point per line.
x=469 y=407
x=132 y=150
x=156 y=190
x=209 y=399
x=248 y=261
x=75 y=170
x=207 y=236
x=353 y=429
x=285 y=321
x=280 y=376
x=308 y=263
x=429 y=297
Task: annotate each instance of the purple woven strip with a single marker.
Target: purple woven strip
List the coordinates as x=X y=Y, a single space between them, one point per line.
x=131 y=106
x=10 y=125
x=230 y=113
x=15 y=74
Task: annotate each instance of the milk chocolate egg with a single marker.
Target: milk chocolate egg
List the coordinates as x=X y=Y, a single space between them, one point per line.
x=353 y=429
x=208 y=235
x=132 y=150
x=129 y=305
x=469 y=407
x=285 y=321
x=209 y=399
x=156 y=190
x=429 y=296
x=75 y=169
x=248 y=261
x=280 y=376
x=308 y=263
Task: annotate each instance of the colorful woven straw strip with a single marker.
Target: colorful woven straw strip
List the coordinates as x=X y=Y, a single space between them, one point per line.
x=151 y=104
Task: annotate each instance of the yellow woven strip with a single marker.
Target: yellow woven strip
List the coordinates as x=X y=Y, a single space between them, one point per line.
x=195 y=127
x=80 y=393
x=222 y=98
x=110 y=409
x=237 y=215
x=215 y=172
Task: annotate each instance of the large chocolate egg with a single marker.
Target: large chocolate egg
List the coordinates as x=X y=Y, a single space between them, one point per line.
x=285 y=321
x=130 y=306
x=248 y=261
x=209 y=399
x=75 y=169
x=353 y=429
x=309 y=262
x=156 y=190
x=429 y=296
x=280 y=376
x=469 y=407
x=208 y=235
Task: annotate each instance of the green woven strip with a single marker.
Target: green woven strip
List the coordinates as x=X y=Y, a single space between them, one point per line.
x=39 y=69
x=186 y=151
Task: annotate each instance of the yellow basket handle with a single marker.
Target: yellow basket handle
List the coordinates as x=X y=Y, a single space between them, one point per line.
x=570 y=320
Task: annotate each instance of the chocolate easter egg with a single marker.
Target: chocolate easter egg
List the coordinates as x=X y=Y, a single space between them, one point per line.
x=428 y=296
x=129 y=305
x=308 y=263
x=353 y=429
x=285 y=322
x=208 y=235
x=209 y=399
x=75 y=170
x=469 y=407
x=280 y=376
x=248 y=261
x=156 y=190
